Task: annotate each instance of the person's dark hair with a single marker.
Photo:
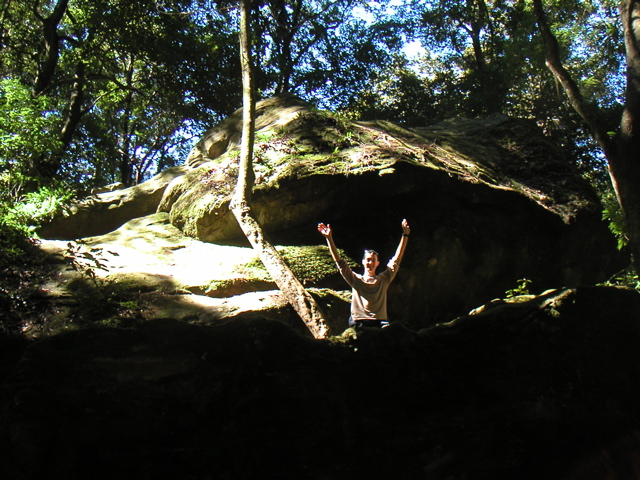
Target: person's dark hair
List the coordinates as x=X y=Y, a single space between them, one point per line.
x=367 y=252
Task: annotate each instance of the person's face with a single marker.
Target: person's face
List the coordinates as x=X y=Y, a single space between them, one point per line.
x=370 y=263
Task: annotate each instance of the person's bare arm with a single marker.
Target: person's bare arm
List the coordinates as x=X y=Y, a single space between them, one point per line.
x=327 y=233
x=406 y=231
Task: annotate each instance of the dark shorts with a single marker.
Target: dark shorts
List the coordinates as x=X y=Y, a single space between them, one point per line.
x=368 y=323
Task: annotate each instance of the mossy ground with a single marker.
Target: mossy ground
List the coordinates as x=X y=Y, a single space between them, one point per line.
x=311 y=264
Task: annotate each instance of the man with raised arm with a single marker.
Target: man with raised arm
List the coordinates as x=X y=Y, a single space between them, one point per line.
x=369 y=290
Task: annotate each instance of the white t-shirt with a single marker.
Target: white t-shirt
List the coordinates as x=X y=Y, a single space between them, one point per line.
x=368 y=296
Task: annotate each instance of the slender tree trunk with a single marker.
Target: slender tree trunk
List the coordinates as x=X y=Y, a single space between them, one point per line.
x=477 y=23
x=126 y=162
x=50 y=164
x=302 y=302
x=46 y=165
x=75 y=111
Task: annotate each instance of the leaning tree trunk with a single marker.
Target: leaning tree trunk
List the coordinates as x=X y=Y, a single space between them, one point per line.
x=623 y=151
x=625 y=162
x=302 y=302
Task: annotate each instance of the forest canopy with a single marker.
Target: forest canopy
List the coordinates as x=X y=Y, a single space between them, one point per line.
x=100 y=91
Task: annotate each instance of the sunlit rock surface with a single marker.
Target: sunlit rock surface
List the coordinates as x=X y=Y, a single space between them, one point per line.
x=171 y=275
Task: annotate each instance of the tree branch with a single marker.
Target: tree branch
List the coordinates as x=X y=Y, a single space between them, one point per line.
x=554 y=64
x=51 y=44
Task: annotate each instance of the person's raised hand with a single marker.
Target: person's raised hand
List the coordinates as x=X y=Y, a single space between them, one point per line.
x=406 y=229
x=324 y=230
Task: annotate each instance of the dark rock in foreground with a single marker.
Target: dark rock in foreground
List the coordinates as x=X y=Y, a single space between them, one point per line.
x=546 y=389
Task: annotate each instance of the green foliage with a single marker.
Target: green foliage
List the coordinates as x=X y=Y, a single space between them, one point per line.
x=33 y=208
x=318 y=50
x=28 y=128
x=146 y=81
x=613 y=214
x=624 y=278
x=24 y=212
x=401 y=94
x=521 y=289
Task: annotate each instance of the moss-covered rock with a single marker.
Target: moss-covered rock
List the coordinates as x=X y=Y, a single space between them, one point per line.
x=490 y=201
x=302 y=153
